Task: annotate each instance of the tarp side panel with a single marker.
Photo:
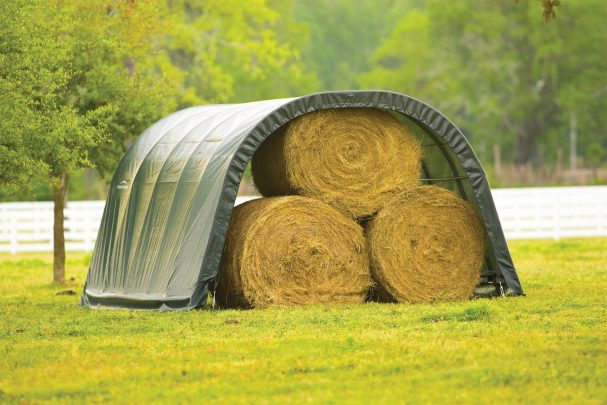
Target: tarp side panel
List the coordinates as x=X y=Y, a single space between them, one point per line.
x=167 y=196
x=103 y=270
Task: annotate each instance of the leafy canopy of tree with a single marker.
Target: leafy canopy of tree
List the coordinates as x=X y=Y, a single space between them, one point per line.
x=73 y=76
x=344 y=35
x=230 y=50
x=505 y=77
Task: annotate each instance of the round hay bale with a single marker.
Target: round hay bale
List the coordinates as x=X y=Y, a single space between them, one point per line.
x=292 y=251
x=426 y=244
x=351 y=158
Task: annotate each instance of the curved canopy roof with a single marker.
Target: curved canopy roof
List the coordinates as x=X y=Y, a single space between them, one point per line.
x=170 y=201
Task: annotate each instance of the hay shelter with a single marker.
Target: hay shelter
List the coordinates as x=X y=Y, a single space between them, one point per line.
x=166 y=217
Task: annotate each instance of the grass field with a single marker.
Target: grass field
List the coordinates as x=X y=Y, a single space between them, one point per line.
x=547 y=347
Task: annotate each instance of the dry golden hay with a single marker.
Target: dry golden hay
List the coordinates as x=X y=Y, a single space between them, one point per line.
x=351 y=158
x=291 y=251
x=426 y=244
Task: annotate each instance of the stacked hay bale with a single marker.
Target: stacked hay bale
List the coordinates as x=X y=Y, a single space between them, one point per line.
x=426 y=244
x=347 y=166
x=292 y=251
x=351 y=158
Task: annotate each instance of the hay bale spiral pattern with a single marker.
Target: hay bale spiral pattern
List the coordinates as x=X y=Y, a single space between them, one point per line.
x=292 y=251
x=426 y=244
x=351 y=158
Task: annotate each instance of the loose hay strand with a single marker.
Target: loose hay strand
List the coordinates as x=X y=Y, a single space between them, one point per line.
x=351 y=158
x=292 y=251
x=426 y=244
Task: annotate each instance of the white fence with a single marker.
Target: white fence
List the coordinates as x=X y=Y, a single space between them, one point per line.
x=552 y=212
x=28 y=226
x=525 y=213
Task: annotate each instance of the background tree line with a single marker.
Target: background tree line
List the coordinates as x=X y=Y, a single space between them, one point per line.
x=79 y=79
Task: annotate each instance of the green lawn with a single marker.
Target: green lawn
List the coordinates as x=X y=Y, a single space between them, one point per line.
x=548 y=347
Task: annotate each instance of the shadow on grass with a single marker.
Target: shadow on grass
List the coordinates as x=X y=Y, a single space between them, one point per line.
x=472 y=314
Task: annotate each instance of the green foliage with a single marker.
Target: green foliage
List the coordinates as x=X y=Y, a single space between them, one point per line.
x=549 y=6
x=80 y=79
x=405 y=60
x=116 y=74
x=343 y=36
x=74 y=84
x=230 y=51
x=506 y=350
x=595 y=153
x=28 y=74
x=505 y=77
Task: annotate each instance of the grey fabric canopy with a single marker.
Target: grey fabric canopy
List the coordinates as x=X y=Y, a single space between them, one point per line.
x=170 y=201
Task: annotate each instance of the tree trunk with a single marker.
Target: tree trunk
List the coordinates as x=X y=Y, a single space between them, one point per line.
x=572 y=144
x=524 y=148
x=497 y=161
x=527 y=139
x=59 y=198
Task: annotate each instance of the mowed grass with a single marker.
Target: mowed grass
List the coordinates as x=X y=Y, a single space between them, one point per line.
x=547 y=347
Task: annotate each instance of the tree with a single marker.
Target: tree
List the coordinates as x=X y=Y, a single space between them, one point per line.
x=229 y=51
x=344 y=35
x=291 y=76
x=80 y=79
x=73 y=77
x=507 y=79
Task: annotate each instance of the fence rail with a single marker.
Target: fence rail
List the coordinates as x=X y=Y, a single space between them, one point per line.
x=552 y=212
x=525 y=213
